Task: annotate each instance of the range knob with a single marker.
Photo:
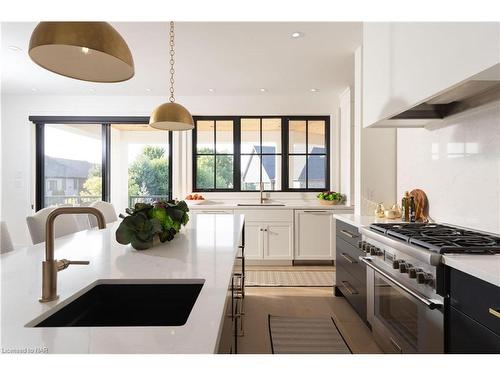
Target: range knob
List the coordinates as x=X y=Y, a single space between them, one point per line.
x=395 y=264
x=421 y=277
x=412 y=273
x=403 y=267
x=360 y=244
x=374 y=250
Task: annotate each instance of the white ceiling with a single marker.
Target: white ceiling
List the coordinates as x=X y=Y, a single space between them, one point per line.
x=232 y=58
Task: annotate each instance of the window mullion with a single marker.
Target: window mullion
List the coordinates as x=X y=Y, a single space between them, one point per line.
x=307 y=154
x=215 y=155
x=237 y=154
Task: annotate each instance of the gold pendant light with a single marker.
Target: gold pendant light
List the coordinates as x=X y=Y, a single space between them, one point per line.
x=171 y=116
x=88 y=51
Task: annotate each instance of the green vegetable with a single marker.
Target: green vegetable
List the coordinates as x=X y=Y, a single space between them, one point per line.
x=145 y=221
x=331 y=196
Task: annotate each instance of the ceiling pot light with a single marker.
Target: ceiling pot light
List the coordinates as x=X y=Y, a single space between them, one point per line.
x=171 y=116
x=314 y=90
x=211 y=90
x=88 y=51
x=263 y=90
x=297 y=34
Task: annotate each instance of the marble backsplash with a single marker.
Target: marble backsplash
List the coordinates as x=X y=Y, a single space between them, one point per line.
x=457 y=163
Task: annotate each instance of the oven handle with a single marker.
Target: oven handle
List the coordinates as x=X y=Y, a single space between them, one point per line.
x=431 y=304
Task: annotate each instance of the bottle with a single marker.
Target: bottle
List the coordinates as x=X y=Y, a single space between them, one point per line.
x=412 y=209
x=405 y=207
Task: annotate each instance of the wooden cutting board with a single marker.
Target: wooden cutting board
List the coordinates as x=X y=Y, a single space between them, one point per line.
x=421 y=205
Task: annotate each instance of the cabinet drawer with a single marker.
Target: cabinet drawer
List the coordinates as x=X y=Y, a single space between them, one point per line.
x=208 y=211
x=353 y=290
x=347 y=256
x=348 y=233
x=466 y=336
x=266 y=214
x=475 y=298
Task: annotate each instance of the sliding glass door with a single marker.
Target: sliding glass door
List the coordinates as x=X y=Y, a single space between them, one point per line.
x=140 y=165
x=72 y=164
x=80 y=160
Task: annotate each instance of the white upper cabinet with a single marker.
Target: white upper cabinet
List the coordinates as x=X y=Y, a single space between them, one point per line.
x=405 y=64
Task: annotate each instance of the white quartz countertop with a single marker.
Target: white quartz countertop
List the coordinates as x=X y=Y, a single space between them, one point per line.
x=271 y=205
x=484 y=267
x=360 y=221
x=204 y=249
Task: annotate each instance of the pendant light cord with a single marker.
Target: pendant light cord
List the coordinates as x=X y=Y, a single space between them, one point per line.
x=172 y=62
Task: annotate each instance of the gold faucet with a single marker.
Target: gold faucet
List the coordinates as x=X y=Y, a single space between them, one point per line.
x=51 y=266
x=262 y=199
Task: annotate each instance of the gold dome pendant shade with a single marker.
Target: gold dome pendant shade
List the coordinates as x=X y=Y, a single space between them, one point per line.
x=88 y=51
x=171 y=116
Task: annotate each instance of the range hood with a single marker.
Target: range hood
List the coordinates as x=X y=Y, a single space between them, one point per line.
x=479 y=91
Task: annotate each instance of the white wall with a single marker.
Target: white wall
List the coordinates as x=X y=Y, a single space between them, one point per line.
x=346 y=141
x=18 y=133
x=457 y=164
x=374 y=155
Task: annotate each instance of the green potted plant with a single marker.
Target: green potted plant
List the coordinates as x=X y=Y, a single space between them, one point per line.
x=147 y=224
x=330 y=198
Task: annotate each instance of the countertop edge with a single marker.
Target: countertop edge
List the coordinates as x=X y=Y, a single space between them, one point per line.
x=483 y=269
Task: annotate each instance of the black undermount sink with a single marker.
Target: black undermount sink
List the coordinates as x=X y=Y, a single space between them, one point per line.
x=125 y=305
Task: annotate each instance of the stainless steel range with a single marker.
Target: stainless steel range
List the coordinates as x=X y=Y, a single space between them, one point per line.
x=405 y=280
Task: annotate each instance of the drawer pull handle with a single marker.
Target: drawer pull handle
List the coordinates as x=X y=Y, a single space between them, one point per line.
x=495 y=311
x=349 y=287
x=348 y=234
x=395 y=345
x=348 y=258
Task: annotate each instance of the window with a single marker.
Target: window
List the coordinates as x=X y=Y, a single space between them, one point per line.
x=214 y=155
x=260 y=153
x=240 y=153
x=72 y=164
x=121 y=160
x=140 y=165
x=307 y=154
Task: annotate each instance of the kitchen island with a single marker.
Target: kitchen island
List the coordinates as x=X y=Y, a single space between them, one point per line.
x=204 y=250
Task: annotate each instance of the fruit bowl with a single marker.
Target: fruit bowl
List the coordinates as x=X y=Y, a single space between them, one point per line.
x=330 y=198
x=328 y=203
x=194 y=202
x=194 y=199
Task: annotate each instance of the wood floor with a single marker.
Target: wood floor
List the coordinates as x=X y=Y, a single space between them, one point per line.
x=300 y=302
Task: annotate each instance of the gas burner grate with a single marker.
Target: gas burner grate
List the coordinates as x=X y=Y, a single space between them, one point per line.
x=439 y=238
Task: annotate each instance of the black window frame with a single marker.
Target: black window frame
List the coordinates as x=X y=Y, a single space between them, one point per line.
x=284 y=152
x=105 y=122
x=195 y=154
x=307 y=154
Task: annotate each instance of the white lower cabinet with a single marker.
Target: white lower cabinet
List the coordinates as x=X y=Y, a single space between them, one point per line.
x=268 y=234
x=278 y=241
x=254 y=241
x=268 y=240
x=289 y=234
x=314 y=235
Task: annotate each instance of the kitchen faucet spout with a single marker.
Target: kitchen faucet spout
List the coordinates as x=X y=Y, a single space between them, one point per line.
x=51 y=266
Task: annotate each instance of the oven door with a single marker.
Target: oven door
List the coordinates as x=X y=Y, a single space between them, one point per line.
x=402 y=320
